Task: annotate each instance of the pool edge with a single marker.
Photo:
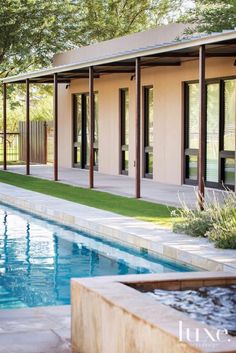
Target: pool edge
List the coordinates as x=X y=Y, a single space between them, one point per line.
x=181 y=248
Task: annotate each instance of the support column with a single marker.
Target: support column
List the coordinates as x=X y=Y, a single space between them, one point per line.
x=55 y=112
x=202 y=127
x=4 y=126
x=27 y=127
x=91 y=114
x=137 y=128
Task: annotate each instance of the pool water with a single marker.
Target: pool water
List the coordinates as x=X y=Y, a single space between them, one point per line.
x=39 y=257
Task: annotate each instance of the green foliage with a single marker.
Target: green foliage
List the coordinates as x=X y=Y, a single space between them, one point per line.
x=41 y=105
x=103 y=20
x=32 y=31
x=192 y=222
x=211 y=15
x=223 y=231
x=217 y=221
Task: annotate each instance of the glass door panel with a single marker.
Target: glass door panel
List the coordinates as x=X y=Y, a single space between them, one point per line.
x=148 y=131
x=192 y=131
x=87 y=131
x=228 y=144
x=229 y=114
x=124 y=130
x=213 y=129
x=220 y=126
x=81 y=133
x=193 y=116
x=77 y=130
x=96 y=130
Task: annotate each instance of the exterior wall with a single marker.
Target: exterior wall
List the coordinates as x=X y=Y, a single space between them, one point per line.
x=64 y=127
x=168 y=107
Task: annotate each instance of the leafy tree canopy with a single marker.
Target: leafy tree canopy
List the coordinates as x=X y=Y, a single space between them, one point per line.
x=32 y=31
x=211 y=15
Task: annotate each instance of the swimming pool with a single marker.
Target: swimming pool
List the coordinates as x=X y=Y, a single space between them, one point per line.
x=39 y=257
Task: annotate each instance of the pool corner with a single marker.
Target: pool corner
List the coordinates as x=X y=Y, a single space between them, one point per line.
x=111 y=315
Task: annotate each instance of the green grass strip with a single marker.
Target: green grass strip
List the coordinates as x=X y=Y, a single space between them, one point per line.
x=143 y=210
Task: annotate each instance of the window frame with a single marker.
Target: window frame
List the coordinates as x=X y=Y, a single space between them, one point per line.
x=123 y=147
x=84 y=121
x=194 y=152
x=147 y=149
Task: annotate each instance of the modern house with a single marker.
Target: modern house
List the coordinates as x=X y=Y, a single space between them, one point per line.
x=156 y=104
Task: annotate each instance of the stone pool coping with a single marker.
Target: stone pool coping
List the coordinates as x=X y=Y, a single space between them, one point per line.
x=110 y=315
x=179 y=247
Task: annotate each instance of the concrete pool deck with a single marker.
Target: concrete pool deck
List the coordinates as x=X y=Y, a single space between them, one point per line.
x=123 y=185
x=36 y=330
x=47 y=329
x=197 y=252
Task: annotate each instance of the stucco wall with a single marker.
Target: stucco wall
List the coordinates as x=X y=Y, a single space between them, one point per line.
x=167 y=84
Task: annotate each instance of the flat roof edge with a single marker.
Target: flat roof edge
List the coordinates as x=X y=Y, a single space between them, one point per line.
x=141 y=52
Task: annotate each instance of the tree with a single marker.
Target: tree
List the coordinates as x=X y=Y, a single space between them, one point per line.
x=32 y=31
x=211 y=15
x=103 y=20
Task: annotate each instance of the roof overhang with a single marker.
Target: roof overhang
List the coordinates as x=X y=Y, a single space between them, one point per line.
x=168 y=54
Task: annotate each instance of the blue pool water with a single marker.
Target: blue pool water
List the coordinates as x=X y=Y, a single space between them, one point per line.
x=38 y=258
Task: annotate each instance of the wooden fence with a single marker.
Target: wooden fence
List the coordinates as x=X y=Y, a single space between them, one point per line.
x=38 y=141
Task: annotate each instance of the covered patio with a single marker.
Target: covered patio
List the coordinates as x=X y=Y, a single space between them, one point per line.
x=172 y=195
x=132 y=62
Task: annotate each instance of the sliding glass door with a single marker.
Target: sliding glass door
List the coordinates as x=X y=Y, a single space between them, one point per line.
x=191 y=131
x=213 y=133
x=148 y=131
x=220 y=132
x=228 y=135
x=81 y=130
x=124 y=131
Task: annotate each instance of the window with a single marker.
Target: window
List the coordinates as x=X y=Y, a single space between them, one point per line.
x=212 y=132
x=228 y=136
x=81 y=130
x=148 y=131
x=192 y=131
x=220 y=132
x=124 y=131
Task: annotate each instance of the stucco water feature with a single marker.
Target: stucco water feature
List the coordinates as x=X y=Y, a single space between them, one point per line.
x=116 y=314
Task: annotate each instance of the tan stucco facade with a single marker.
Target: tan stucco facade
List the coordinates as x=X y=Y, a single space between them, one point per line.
x=168 y=116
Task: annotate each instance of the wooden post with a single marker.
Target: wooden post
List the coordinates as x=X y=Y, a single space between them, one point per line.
x=202 y=128
x=4 y=126
x=27 y=127
x=137 y=128
x=91 y=114
x=55 y=111
x=45 y=142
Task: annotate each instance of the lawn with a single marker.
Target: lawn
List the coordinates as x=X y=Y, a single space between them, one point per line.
x=143 y=210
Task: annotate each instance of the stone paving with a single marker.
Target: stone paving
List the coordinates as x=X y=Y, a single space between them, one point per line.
x=122 y=185
x=35 y=330
x=47 y=330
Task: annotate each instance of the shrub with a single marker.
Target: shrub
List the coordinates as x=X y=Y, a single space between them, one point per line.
x=217 y=221
x=223 y=231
